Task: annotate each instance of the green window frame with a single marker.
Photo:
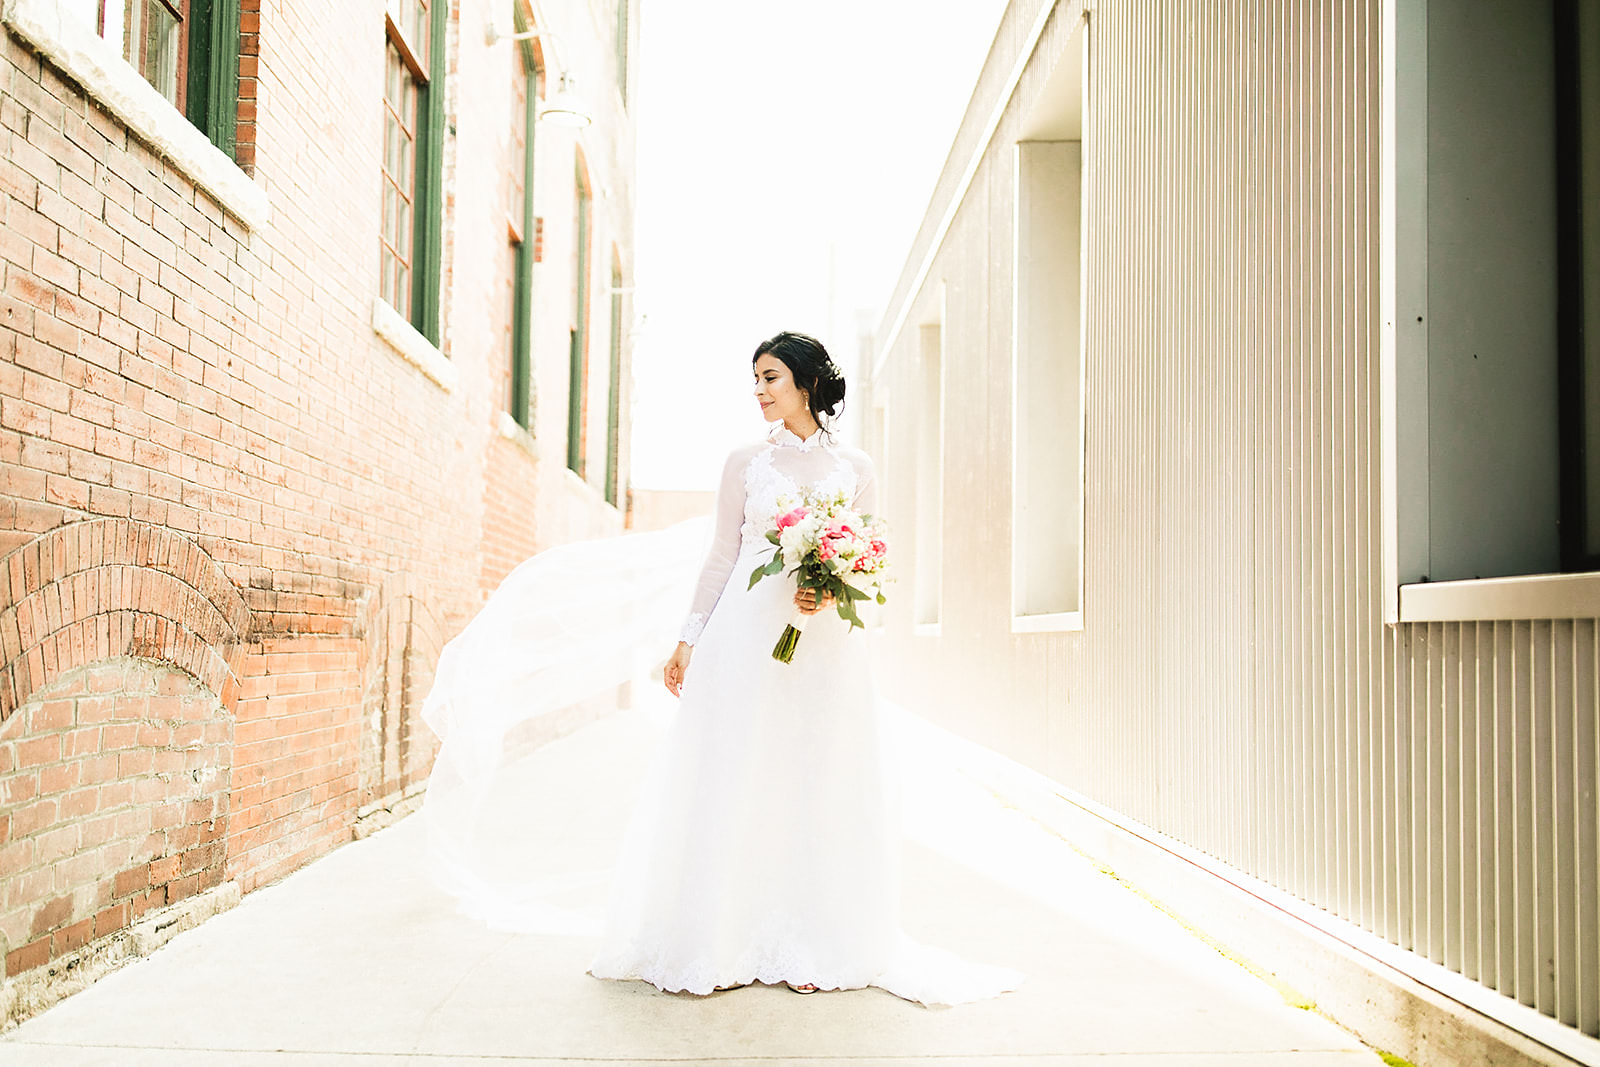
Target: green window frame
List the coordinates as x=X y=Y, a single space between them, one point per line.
x=623 y=20
x=188 y=50
x=212 y=90
x=412 y=164
x=577 y=398
x=614 y=406
x=523 y=229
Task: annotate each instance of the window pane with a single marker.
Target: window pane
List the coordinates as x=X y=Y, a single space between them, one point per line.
x=412 y=18
x=86 y=12
x=399 y=180
x=1589 y=171
x=1047 y=499
x=115 y=27
x=419 y=35
x=152 y=45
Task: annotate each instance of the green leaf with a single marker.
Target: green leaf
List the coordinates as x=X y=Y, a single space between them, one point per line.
x=775 y=566
x=772 y=535
x=882 y=599
x=853 y=593
x=755 y=576
x=847 y=610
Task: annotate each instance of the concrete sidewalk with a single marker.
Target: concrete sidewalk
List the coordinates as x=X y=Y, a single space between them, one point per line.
x=357 y=959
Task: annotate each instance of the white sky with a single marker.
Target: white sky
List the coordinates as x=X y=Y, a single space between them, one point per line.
x=786 y=155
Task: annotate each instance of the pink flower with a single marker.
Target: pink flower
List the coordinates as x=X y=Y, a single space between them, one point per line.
x=825 y=550
x=790 y=518
x=879 y=549
x=837 y=532
x=860 y=564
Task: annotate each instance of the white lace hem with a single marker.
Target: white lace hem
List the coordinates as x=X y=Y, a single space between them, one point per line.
x=921 y=973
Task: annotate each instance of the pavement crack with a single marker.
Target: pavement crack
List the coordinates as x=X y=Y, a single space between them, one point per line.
x=427 y=1020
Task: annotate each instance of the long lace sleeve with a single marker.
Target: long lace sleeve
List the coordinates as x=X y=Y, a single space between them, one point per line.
x=866 y=498
x=729 y=515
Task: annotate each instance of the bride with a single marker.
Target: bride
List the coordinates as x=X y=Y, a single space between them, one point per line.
x=765 y=844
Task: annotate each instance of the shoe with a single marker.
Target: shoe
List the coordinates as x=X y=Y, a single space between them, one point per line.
x=723 y=988
x=806 y=988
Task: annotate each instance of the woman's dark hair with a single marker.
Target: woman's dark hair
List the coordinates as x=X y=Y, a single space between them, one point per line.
x=812 y=368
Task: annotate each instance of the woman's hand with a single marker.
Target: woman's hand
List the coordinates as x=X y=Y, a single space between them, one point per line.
x=677 y=666
x=806 y=600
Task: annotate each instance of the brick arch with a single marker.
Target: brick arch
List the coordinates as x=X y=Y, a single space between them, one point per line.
x=101 y=588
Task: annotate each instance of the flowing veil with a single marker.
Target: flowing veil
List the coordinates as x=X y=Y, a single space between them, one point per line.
x=566 y=625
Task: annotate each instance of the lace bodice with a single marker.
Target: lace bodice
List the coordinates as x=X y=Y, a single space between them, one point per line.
x=754 y=478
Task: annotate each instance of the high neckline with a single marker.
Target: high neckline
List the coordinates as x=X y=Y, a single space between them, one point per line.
x=780 y=434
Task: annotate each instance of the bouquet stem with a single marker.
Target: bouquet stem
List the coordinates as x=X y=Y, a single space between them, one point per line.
x=783 y=652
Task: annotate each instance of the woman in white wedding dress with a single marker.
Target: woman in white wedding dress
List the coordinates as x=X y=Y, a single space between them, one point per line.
x=765 y=843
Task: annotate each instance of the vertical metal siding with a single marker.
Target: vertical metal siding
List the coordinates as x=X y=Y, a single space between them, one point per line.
x=1235 y=685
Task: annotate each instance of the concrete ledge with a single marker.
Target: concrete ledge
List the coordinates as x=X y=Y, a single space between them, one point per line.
x=514 y=432
x=74 y=48
x=33 y=991
x=1531 y=596
x=408 y=342
x=1353 y=977
x=385 y=813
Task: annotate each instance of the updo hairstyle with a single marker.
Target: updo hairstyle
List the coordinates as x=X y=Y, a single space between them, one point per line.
x=813 y=370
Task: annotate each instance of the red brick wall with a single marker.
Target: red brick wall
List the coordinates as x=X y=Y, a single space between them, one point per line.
x=508 y=490
x=249 y=66
x=296 y=740
x=115 y=784
x=219 y=489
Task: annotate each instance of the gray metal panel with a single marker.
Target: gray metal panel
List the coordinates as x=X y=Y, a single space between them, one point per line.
x=1235 y=684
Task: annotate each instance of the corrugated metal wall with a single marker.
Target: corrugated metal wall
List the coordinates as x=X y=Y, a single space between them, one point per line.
x=1235 y=685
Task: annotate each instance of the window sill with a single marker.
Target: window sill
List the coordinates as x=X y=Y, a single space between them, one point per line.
x=1533 y=596
x=108 y=78
x=517 y=434
x=405 y=339
x=1055 y=622
x=594 y=492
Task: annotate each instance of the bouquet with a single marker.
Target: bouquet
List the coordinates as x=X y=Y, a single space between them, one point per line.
x=829 y=548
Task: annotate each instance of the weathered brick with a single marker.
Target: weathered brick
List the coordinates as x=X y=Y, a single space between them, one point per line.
x=112 y=919
x=29 y=956
x=212 y=401
x=56 y=913
x=36 y=751
x=73 y=937
x=132 y=881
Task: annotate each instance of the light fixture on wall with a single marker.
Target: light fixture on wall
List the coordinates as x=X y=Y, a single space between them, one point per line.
x=564 y=107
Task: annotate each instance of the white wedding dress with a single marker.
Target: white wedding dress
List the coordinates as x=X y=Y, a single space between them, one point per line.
x=765 y=841
x=765 y=844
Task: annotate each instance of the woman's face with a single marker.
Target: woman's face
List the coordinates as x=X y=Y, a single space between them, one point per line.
x=777 y=393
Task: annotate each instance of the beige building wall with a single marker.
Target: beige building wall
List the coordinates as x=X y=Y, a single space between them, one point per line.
x=1238 y=666
x=656 y=509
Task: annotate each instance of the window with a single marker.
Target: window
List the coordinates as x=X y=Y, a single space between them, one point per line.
x=928 y=536
x=1491 y=292
x=621 y=44
x=412 y=147
x=187 y=49
x=1578 y=253
x=525 y=84
x=578 y=361
x=614 y=407
x=1047 y=357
